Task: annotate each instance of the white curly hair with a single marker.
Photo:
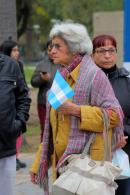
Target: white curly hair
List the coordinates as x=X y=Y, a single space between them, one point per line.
x=75 y=35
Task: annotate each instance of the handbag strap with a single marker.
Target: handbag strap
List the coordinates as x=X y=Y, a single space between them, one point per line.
x=87 y=146
x=107 y=148
x=107 y=153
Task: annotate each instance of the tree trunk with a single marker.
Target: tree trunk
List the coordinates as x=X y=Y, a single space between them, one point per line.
x=8 y=20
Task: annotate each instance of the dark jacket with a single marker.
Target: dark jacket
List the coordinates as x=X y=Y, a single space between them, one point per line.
x=120 y=80
x=36 y=81
x=14 y=105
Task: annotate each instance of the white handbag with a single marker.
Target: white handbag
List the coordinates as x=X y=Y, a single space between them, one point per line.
x=121 y=159
x=85 y=176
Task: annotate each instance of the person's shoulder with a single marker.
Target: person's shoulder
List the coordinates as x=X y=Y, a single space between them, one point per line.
x=9 y=64
x=87 y=62
x=44 y=65
x=7 y=59
x=123 y=72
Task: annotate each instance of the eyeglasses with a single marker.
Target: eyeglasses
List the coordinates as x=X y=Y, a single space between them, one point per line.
x=56 y=46
x=103 y=51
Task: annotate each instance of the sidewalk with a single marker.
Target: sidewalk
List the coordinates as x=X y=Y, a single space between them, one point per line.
x=23 y=184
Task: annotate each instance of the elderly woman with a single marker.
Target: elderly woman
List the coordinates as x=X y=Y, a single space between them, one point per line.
x=105 y=55
x=71 y=47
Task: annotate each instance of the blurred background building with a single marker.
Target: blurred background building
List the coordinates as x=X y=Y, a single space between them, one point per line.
x=111 y=23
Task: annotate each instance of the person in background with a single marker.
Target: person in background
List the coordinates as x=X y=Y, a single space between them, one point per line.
x=71 y=48
x=10 y=48
x=14 y=112
x=105 y=56
x=42 y=79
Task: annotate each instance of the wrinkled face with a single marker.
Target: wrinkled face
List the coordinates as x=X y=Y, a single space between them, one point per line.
x=60 y=52
x=105 y=56
x=15 y=53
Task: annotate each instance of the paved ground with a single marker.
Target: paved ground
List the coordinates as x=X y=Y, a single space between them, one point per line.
x=23 y=184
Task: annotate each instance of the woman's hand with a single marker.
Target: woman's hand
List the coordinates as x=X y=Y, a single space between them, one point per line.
x=33 y=177
x=69 y=108
x=121 y=141
x=45 y=76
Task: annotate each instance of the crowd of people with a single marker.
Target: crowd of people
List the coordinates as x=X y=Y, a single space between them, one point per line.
x=90 y=69
x=83 y=64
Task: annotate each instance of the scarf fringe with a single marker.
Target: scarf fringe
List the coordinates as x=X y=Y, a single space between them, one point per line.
x=42 y=179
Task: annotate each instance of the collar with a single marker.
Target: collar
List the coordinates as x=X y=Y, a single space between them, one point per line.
x=74 y=73
x=116 y=72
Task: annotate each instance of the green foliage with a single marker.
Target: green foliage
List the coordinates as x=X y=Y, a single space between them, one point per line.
x=44 y=12
x=31 y=139
x=82 y=11
x=78 y=11
x=28 y=73
x=33 y=130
